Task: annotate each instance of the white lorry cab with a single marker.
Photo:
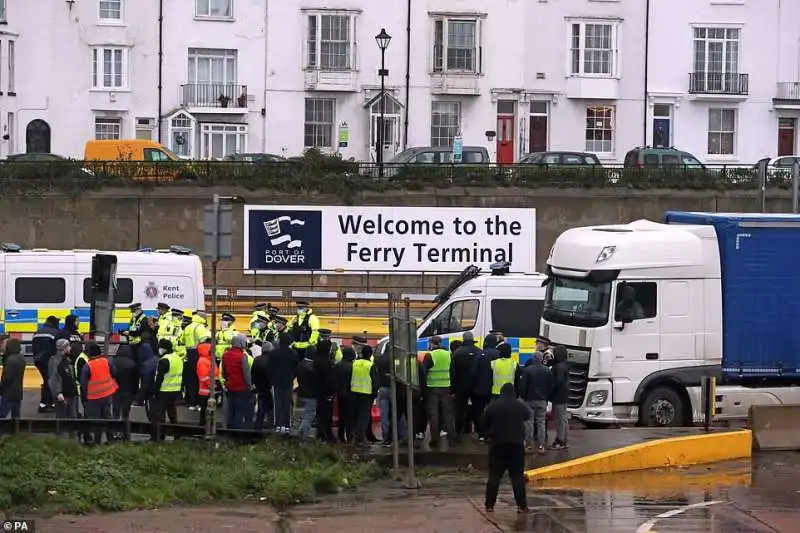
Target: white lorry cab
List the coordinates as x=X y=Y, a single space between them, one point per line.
x=648 y=310
x=37 y=283
x=482 y=302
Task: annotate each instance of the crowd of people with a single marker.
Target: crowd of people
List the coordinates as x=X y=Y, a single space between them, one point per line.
x=277 y=363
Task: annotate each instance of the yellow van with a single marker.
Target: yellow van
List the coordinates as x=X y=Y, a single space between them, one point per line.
x=157 y=162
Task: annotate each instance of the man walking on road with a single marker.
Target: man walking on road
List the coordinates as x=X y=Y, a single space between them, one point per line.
x=438 y=366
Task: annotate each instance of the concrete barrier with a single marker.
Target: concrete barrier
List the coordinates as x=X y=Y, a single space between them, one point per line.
x=775 y=427
x=659 y=453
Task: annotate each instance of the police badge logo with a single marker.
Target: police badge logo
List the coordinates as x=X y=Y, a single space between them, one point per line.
x=151 y=291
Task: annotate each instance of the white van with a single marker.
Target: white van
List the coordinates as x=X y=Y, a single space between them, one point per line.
x=482 y=302
x=37 y=283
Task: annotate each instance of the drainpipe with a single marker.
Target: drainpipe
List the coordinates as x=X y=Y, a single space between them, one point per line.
x=160 y=69
x=266 y=76
x=646 y=70
x=408 y=73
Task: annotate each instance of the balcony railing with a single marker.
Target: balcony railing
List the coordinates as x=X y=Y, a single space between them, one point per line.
x=788 y=90
x=719 y=83
x=214 y=95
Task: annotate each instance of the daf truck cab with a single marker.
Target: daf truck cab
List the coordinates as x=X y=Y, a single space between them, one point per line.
x=646 y=310
x=480 y=302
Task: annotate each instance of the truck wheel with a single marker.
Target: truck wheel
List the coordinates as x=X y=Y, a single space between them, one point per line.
x=662 y=407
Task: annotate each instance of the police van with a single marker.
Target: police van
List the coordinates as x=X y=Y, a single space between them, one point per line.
x=37 y=283
x=482 y=302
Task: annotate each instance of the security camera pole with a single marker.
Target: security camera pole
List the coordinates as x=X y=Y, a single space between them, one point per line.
x=217 y=233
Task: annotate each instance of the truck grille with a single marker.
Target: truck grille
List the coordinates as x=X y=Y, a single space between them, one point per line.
x=578 y=379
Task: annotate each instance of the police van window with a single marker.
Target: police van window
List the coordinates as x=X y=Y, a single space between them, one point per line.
x=457 y=317
x=636 y=301
x=124 y=294
x=40 y=290
x=517 y=318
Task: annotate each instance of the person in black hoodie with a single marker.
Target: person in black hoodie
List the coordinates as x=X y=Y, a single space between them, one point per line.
x=62 y=382
x=259 y=371
x=44 y=347
x=463 y=383
x=325 y=385
x=12 y=380
x=536 y=383
x=70 y=329
x=560 y=396
x=123 y=369
x=307 y=391
x=148 y=363
x=282 y=369
x=505 y=420
x=482 y=380
x=344 y=375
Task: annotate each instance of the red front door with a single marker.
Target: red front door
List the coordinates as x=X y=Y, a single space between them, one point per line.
x=786 y=136
x=538 y=138
x=505 y=139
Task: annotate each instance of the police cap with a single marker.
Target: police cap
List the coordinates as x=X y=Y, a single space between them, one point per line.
x=302 y=303
x=177 y=312
x=541 y=339
x=163 y=306
x=229 y=317
x=260 y=306
x=325 y=332
x=273 y=310
x=359 y=339
x=135 y=306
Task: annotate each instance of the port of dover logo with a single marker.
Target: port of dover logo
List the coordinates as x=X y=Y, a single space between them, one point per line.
x=286 y=240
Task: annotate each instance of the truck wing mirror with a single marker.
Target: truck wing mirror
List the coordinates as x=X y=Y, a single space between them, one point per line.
x=619 y=326
x=546 y=282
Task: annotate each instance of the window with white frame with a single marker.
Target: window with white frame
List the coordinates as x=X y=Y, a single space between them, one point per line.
x=593 y=48
x=456 y=45
x=600 y=129
x=330 y=41
x=11 y=67
x=320 y=115
x=214 y=8
x=107 y=128
x=2 y=10
x=220 y=140
x=445 y=122
x=109 y=68
x=212 y=74
x=111 y=10
x=182 y=135
x=721 y=131
x=716 y=59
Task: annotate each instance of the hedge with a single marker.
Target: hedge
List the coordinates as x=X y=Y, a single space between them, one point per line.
x=331 y=175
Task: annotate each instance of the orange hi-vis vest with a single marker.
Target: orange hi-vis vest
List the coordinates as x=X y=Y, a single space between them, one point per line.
x=101 y=384
x=203 y=371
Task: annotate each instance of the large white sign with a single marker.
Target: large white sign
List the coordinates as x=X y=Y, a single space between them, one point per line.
x=386 y=239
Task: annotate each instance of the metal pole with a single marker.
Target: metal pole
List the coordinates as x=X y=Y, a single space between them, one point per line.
x=795 y=180
x=383 y=109
x=411 y=482
x=393 y=399
x=211 y=424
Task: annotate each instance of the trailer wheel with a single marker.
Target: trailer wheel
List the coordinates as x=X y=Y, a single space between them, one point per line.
x=662 y=407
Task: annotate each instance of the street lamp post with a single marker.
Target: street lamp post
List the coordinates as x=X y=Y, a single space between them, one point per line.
x=383 y=40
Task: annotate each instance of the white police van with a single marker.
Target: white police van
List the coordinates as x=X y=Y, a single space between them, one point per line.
x=482 y=302
x=37 y=283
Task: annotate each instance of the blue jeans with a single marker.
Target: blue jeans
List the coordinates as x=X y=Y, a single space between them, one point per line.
x=309 y=406
x=12 y=408
x=385 y=406
x=240 y=410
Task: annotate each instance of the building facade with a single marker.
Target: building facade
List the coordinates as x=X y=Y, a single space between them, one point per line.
x=208 y=78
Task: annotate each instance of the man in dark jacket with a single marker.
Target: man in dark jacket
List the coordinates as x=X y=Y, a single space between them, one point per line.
x=463 y=383
x=535 y=386
x=148 y=363
x=560 y=396
x=307 y=391
x=263 y=384
x=11 y=383
x=123 y=369
x=505 y=421
x=70 y=329
x=62 y=381
x=482 y=380
x=282 y=368
x=44 y=347
x=323 y=357
x=344 y=374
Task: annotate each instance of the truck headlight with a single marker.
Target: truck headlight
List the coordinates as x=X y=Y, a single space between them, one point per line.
x=597 y=398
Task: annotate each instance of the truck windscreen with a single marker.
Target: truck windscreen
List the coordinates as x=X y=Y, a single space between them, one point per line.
x=577 y=302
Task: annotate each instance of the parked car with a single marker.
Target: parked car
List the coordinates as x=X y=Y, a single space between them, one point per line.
x=255 y=158
x=560 y=158
x=43 y=158
x=475 y=155
x=648 y=157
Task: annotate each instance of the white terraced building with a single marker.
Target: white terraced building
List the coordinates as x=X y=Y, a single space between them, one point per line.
x=207 y=78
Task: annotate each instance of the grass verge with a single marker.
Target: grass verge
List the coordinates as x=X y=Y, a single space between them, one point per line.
x=48 y=475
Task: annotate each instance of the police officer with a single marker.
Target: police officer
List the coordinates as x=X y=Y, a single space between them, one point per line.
x=504 y=369
x=164 y=317
x=225 y=334
x=358 y=342
x=438 y=365
x=259 y=328
x=273 y=313
x=135 y=328
x=334 y=350
x=304 y=328
x=258 y=310
x=363 y=389
x=168 y=382
x=173 y=331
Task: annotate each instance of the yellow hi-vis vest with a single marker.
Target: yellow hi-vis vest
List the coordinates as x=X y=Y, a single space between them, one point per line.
x=135 y=324
x=163 y=324
x=172 y=381
x=361 y=382
x=503 y=371
x=82 y=357
x=439 y=374
x=224 y=338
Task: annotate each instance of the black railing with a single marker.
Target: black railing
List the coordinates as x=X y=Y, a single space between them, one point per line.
x=788 y=90
x=719 y=83
x=214 y=95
